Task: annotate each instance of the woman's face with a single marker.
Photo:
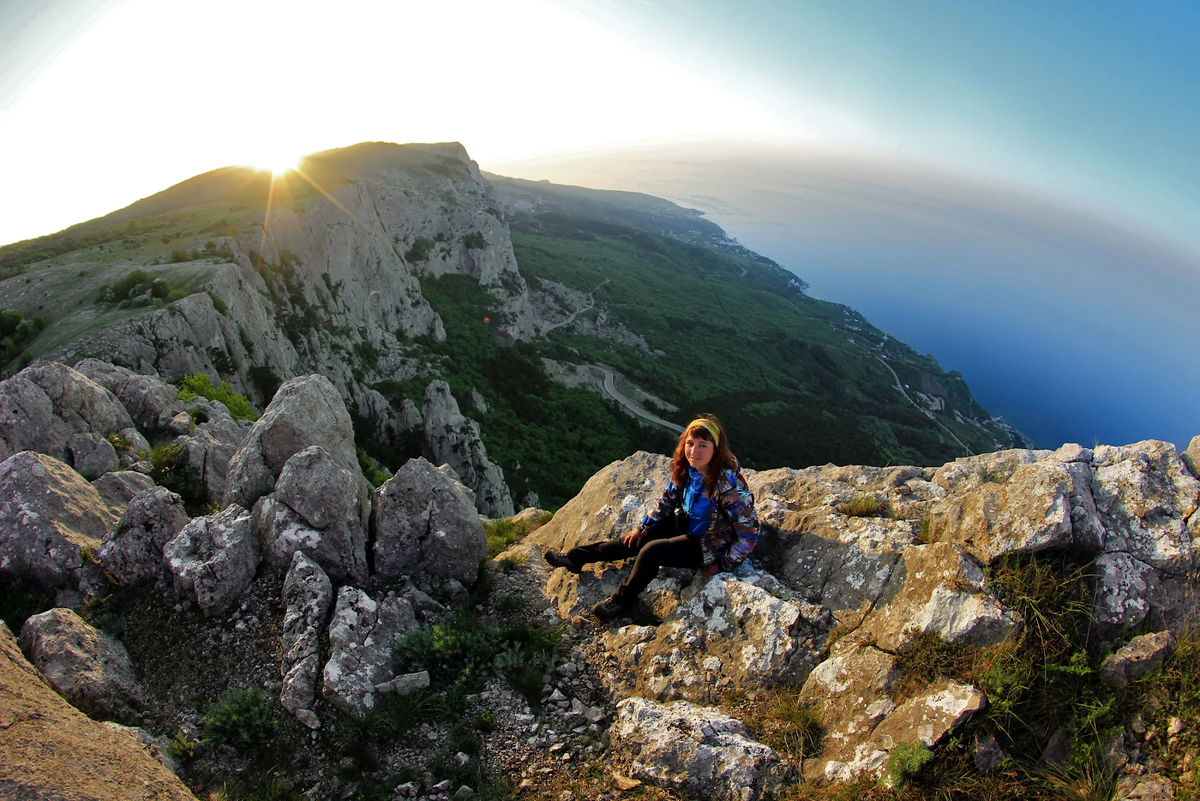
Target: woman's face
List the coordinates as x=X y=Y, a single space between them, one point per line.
x=699 y=452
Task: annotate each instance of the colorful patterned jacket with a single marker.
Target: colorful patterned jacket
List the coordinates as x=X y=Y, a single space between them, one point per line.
x=733 y=530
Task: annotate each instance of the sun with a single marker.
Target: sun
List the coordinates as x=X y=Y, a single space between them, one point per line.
x=277 y=163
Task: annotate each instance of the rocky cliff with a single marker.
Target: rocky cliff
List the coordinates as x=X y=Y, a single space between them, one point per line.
x=999 y=611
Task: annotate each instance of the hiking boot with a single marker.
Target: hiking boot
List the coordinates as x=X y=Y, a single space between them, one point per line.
x=607 y=609
x=559 y=559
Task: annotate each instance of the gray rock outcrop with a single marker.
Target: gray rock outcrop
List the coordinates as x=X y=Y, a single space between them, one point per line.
x=42 y=406
x=85 y=666
x=307 y=598
x=213 y=559
x=732 y=635
x=305 y=411
x=119 y=488
x=150 y=401
x=696 y=750
x=422 y=521
x=320 y=508
x=454 y=440
x=133 y=551
x=91 y=455
x=48 y=515
x=361 y=634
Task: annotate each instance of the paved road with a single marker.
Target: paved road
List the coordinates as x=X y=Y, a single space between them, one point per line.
x=591 y=302
x=611 y=388
x=923 y=411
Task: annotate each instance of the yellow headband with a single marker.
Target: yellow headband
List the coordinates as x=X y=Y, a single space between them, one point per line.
x=709 y=426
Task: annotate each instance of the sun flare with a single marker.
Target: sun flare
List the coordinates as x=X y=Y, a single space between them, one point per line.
x=277 y=163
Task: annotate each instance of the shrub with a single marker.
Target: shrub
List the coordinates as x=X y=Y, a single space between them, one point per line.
x=419 y=251
x=199 y=384
x=180 y=255
x=169 y=468
x=509 y=604
x=265 y=381
x=474 y=241
x=904 y=762
x=374 y=474
x=243 y=717
x=218 y=304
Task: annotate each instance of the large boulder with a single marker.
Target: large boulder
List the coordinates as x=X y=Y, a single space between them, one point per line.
x=941 y=590
x=1147 y=500
x=732 y=635
x=91 y=455
x=320 y=508
x=306 y=410
x=610 y=504
x=150 y=401
x=307 y=597
x=117 y=489
x=696 y=750
x=361 y=634
x=42 y=406
x=1016 y=502
x=50 y=750
x=213 y=559
x=424 y=523
x=454 y=439
x=133 y=551
x=48 y=515
x=87 y=667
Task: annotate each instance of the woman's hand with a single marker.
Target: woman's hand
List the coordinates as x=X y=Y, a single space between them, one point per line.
x=710 y=571
x=634 y=538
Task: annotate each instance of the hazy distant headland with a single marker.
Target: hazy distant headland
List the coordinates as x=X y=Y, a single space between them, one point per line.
x=1072 y=326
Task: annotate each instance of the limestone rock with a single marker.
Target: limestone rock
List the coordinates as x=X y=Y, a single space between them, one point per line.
x=392 y=425
x=361 y=634
x=731 y=635
x=1140 y=657
x=407 y=684
x=696 y=750
x=1147 y=500
x=85 y=666
x=320 y=508
x=91 y=455
x=423 y=523
x=305 y=411
x=850 y=693
x=928 y=717
x=213 y=559
x=1011 y=502
x=307 y=598
x=942 y=590
x=47 y=402
x=51 y=750
x=610 y=504
x=48 y=513
x=117 y=489
x=133 y=551
x=1191 y=456
x=150 y=401
x=454 y=439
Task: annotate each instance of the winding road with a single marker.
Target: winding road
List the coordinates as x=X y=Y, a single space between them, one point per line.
x=610 y=387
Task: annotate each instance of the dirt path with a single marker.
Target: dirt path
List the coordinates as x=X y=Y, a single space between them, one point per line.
x=570 y=319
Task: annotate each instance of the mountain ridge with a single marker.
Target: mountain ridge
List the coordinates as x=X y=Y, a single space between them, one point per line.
x=374 y=265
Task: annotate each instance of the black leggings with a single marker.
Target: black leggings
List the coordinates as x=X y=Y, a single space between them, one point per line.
x=661 y=547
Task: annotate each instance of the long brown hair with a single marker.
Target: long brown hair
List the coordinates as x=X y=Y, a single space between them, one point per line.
x=722 y=459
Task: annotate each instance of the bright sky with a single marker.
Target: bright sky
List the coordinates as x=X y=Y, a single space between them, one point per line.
x=106 y=101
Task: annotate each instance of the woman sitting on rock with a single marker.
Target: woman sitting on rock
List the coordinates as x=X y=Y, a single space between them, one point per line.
x=704 y=520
